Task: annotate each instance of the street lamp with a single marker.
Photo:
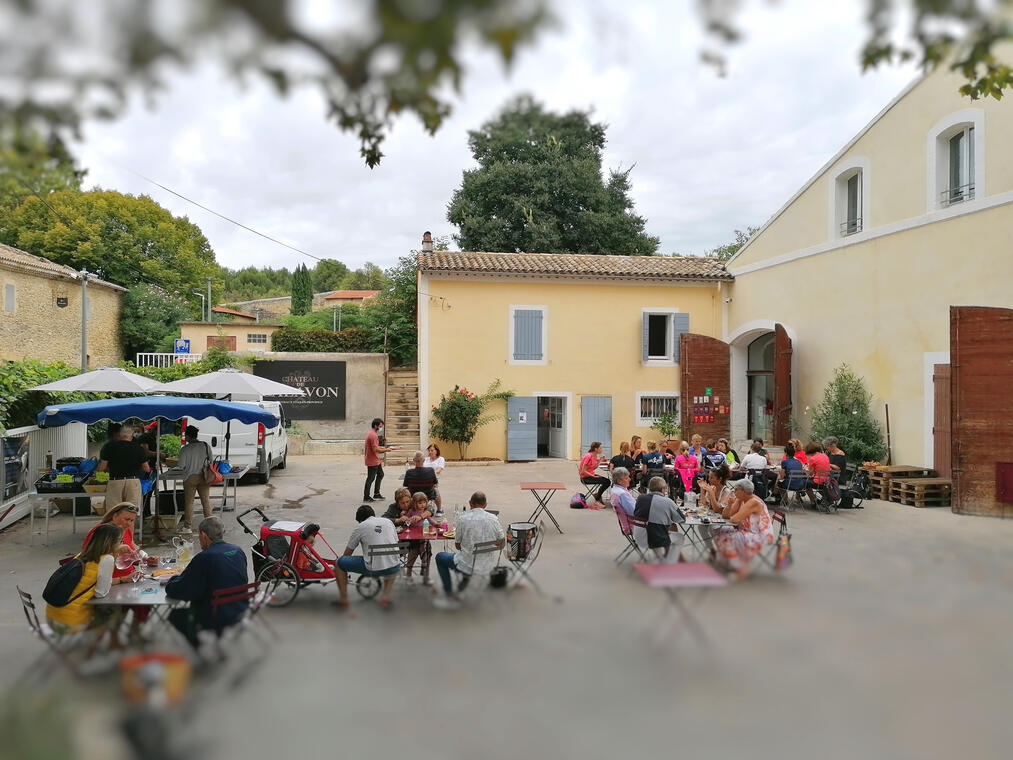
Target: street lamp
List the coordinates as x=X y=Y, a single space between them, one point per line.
x=198 y=293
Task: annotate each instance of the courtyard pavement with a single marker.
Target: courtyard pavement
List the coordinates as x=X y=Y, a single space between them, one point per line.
x=890 y=637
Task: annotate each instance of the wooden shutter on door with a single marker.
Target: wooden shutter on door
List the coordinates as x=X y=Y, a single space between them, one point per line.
x=941 y=420
x=704 y=363
x=981 y=373
x=680 y=325
x=782 y=386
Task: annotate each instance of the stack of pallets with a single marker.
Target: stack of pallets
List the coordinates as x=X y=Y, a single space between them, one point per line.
x=881 y=478
x=921 y=492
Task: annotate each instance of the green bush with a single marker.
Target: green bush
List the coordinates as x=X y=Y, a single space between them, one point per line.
x=668 y=427
x=845 y=412
x=350 y=340
x=170 y=445
x=460 y=413
x=18 y=406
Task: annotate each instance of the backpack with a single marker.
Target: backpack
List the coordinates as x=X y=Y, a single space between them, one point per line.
x=578 y=502
x=63 y=581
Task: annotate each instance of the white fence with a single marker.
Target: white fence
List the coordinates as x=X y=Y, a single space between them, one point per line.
x=165 y=360
x=24 y=454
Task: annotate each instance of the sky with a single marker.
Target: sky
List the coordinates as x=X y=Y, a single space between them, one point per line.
x=711 y=154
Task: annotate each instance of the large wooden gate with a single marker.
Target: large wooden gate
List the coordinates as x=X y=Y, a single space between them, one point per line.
x=981 y=365
x=782 y=386
x=941 y=461
x=704 y=363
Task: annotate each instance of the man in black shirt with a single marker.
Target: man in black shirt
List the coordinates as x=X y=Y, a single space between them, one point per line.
x=420 y=478
x=124 y=459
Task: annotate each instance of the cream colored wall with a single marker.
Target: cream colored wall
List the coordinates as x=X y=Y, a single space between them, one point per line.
x=593 y=346
x=197 y=334
x=880 y=306
x=895 y=148
x=39 y=329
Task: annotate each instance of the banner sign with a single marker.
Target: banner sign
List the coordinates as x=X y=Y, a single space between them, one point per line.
x=322 y=382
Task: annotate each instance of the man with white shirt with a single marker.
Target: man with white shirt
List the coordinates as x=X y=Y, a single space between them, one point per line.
x=754 y=460
x=371 y=531
x=473 y=527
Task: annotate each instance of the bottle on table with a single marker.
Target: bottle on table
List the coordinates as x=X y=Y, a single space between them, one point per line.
x=425 y=527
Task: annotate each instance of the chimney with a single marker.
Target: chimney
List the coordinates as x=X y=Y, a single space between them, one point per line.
x=427 y=242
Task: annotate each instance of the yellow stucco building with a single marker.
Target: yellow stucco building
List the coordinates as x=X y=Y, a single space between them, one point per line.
x=914 y=215
x=590 y=344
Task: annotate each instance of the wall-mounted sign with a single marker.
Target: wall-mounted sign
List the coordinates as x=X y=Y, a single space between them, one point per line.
x=708 y=391
x=522 y=416
x=181 y=346
x=323 y=384
x=62 y=301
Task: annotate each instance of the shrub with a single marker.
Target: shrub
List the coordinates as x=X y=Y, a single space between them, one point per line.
x=170 y=445
x=460 y=413
x=668 y=427
x=845 y=412
x=293 y=339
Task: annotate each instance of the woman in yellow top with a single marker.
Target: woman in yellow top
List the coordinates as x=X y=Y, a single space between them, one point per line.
x=98 y=558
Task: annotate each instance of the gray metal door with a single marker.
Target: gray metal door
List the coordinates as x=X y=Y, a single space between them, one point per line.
x=522 y=428
x=596 y=423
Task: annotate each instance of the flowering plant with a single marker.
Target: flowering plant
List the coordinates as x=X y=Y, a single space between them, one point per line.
x=461 y=413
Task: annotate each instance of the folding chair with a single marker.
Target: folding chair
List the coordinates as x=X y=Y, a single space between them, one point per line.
x=771 y=555
x=60 y=644
x=369 y=585
x=824 y=487
x=794 y=485
x=482 y=547
x=626 y=525
x=256 y=598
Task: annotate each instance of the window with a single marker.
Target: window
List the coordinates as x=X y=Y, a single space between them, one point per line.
x=10 y=298
x=256 y=338
x=760 y=381
x=849 y=200
x=554 y=412
x=528 y=334
x=660 y=338
x=650 y=406
x=960 y=167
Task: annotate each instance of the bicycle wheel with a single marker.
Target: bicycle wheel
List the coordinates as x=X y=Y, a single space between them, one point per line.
x=282 y=583
x=368 y=586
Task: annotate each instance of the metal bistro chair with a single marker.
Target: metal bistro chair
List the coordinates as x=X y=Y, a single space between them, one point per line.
x=60 y=644
x=482 y=547
x=770 y=555
x=257 y=597
x=794 y=485
x=369 y=585
x=626 y=525
x=824 y=490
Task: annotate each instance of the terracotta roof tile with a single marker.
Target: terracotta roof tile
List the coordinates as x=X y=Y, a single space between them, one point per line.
x=363 y=294
x=223 y=310
x=15 y=258
x=575 y=265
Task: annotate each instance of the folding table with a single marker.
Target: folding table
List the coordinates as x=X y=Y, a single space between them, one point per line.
x=547 y=490
x=675 y=577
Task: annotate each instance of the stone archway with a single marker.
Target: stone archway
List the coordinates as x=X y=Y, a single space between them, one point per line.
x=782 y=372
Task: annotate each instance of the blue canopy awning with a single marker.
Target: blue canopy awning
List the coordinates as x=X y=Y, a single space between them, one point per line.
x=151 y=407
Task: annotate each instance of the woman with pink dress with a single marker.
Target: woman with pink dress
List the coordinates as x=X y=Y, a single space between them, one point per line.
x=753 y=530
x=686 y=466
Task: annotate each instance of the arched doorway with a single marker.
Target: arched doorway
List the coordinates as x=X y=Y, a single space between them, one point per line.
x=760 y=387
x=761 y=382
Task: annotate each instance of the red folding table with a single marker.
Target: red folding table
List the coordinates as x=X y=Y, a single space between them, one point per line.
x=547 y=490
x=678 y=576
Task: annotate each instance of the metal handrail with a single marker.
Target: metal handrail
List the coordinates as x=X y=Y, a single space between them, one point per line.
x=957 y=194
x=851 y=226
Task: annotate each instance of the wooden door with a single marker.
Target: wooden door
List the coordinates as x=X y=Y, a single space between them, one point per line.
x=522 y=428
x=596 y=423
x=228 y=342
x=981 y=373
x=941 y=420
x=782 y=386
x=705 y=364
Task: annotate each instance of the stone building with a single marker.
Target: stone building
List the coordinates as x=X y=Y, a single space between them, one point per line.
x=40 y=312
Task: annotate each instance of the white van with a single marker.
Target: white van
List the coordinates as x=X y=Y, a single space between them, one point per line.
x=251 y=445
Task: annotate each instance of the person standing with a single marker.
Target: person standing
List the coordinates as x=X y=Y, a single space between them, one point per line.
x=124 y=459
x=374 y=465
x=194 y=455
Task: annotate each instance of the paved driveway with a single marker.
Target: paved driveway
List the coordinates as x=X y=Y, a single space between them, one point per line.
x=889 y=637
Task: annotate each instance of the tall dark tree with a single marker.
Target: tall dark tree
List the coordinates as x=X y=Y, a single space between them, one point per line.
x=302 y=291
x=328 y=274
x=539 y=188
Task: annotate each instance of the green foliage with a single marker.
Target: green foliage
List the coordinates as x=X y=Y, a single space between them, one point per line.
x=351 y=66
x=668 y=427
x=845 y=413
x=539 y=187
x=460 y=413
x=124 y=239
x=213 y=360
x=392 y=314
x=31 y=164
x=302 y=291
x=19 y=407
x=326 y=318
x=329 y=274
x=349 y=340
x=725 y=252
x=252 y=283
x=170 y=445
x=368 y=277
x=151 y=317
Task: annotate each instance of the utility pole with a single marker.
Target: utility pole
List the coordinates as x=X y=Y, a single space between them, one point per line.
x=209 y=299
x=339 y=316
x=334 y=319
x=84 y=320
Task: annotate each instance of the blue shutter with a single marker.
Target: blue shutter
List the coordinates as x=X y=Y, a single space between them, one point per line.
x=644 y=337
x=680 y=325
x=528 y=335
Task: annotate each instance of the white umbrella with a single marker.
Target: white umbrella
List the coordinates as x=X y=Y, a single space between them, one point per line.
x=102 y=380
x=226 y=383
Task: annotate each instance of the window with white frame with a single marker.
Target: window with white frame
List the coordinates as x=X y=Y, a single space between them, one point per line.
x=528 y=326
x=661 y=329
x=850 y=195
x=959 y=160
x=10 y=298
x=650 y=407
x=256 y=338
x=955 y=159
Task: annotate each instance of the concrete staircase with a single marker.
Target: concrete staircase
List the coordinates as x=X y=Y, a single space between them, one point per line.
x=402 y=420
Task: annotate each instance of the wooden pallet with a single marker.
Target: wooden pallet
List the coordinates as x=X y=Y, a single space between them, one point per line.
x=881 y=479
x=921 y=492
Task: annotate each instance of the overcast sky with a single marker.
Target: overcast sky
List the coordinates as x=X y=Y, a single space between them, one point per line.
x=712 y=154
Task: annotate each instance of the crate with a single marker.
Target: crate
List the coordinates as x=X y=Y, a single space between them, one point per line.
x=921 y=492
x=879 y=485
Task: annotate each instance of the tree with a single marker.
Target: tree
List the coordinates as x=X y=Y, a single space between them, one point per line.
x=459 y=415
x=150 y=318
x=124 y=239
x=539 y=187
x=328 y=275
x=845 y=413
x=368 y=277
x=725 y=252
x=391 y=313
x=252 y=283
x=31 y=164
x=54 y=49
x=302 y=291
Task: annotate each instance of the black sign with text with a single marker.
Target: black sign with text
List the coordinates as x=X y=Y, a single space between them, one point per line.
x=322 y=382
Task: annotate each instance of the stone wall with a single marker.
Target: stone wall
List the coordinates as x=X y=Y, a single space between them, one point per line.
x=277 y=306
x=38 y=328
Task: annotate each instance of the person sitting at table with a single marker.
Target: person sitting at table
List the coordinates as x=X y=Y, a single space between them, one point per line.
x=755 y=461
x=731 y=455
x=799 y=452
x=762 y=450
x=436 y=461
x=819 y=463
x=475 y=526
x=587 y=467
x=98 y=559
x=791 y=476
x=715 y=494
x=838 y=459
x=123 y=516
x=410 y=512
x=660 y=514
x=371 y=531
x=712 y=457
x=621 y=498
x=686 y=466
x=623 y=459
x=751 y=529
x=217 y=566
x=636 y=447
x=697 y=450
x=194 y=455
x=420 y=477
